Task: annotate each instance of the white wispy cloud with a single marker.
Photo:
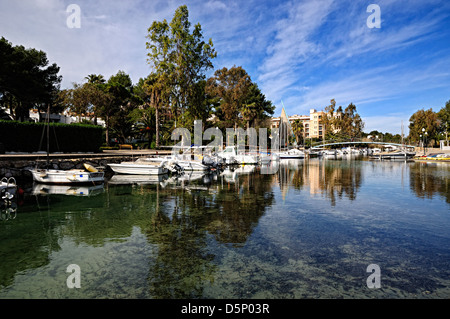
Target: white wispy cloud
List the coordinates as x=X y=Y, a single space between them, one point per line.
x=325 y=50
x=292 y=45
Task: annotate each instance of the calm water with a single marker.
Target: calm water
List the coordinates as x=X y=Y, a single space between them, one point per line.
x=310 y=230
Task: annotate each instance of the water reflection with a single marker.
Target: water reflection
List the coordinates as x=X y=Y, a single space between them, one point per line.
x=332 y=179
x=429 y=179
x=174 y=231
x=185 y=221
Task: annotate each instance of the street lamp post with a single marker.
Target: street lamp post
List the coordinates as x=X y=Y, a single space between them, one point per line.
x=446 y=130
x=423 y=141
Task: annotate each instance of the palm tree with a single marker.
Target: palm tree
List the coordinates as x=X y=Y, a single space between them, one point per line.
x=297 y=128
x=155 y=87
x=95 y=79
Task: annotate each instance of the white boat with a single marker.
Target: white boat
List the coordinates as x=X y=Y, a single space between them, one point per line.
x=194 y=158
x=291 y=154
x=185 y=162
x=394 y=155
x=72 y=176
x=329 y=152
x=231 y=156
x=142 y=166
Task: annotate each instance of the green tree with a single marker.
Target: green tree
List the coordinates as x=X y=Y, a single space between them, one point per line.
x=298 y=129
x=96 y=79
x=342 y=124
x=444 y=119
x=232 y=87
x=421 y=122
x=121 y=104
x=352 y=124
x=27 y=80
x=256 y=108
x=76 y=99
x=180 y=57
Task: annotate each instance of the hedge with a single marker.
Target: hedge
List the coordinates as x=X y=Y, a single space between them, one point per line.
x=67 y=138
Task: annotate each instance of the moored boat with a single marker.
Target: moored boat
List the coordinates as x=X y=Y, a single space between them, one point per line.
x=232 y=156
x=291 y=154
x=394 y=155
x=142 y=166
x=72 y=176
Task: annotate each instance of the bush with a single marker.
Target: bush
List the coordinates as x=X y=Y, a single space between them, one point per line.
x=32 y=137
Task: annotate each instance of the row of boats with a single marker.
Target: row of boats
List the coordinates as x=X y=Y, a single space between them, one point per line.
x=191 y=159
x=197 y=158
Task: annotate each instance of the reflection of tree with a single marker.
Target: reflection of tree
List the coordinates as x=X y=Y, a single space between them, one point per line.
x=428 y=179
x=341 y=178
x=228 y=211
x=31 y=245
x=183 y=263
x=28 y=240
x=181 y=222
x=334 y=179
x=238 y=207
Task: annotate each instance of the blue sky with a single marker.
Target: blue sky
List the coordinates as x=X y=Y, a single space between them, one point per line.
x=303 y=53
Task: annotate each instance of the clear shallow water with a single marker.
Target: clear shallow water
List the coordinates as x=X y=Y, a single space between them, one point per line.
x=309 y=230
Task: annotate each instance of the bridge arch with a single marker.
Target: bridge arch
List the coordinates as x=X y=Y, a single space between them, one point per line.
x=359 y=142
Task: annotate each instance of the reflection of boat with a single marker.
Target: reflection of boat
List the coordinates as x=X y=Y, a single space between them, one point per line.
x=73 y=176
x=292 y=163
x=231 y=174
x=142 y=166
x=8 y=185
x=190 y=180
x=73 y=190
x=265 y=159
x=270 y=168
x=137 y=179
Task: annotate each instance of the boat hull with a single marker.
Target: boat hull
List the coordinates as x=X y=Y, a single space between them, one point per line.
x=393 y=156
x=138 y=169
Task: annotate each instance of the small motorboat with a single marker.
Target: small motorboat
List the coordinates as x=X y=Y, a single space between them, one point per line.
x=73 y=176
x=142 y=166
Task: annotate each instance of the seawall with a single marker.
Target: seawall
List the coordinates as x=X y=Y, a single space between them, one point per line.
x=18 y=165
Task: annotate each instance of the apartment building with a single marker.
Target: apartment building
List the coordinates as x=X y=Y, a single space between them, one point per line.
x=312 y=123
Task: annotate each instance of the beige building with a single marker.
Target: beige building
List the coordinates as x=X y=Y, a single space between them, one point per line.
x=312 y=123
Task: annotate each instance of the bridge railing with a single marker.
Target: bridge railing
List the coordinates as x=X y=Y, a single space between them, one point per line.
x=358 y=141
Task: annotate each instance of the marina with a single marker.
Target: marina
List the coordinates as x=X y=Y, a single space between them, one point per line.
x=260 y=151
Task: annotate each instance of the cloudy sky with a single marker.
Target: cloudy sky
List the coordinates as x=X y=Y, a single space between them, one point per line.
x=301 y=53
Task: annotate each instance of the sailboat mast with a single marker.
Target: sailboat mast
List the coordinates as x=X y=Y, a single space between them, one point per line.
x=48 y=136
